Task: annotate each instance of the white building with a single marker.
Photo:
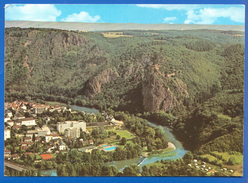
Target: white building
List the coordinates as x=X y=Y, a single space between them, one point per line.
x=19 y=116
x=26 y=121
x=52 y=136
x=39 y=110
x=50 y=149
x=8 y=113
x=6 y=119
x=6 y=134
x=62 y=126
x=62 y=147
x=72 y=132
x=24 y=107
x=10 y=122
x=43 y=131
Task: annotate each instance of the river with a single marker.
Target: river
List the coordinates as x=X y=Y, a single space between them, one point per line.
x=180 y=151
x=85 y=109
x=121 y=164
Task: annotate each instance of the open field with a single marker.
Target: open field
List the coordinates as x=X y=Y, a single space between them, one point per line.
x=124 y=133
x=209 y=157
x=38 y=157
x=115 y=36
x=117 y=26
x=224 y=117
x=225 y=157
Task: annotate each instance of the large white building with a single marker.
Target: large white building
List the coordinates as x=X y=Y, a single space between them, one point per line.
x=43 y=131
x=62 y=126
x=72 y=132
x=6 y=134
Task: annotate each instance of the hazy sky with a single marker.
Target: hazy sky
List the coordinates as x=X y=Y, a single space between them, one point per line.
x=141 y=13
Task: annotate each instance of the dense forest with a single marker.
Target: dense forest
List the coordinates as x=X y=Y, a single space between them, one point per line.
x=192 y=79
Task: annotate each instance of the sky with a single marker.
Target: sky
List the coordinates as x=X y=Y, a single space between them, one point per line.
x=132 y=13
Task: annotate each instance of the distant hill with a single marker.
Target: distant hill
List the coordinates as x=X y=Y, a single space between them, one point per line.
x=118 y=26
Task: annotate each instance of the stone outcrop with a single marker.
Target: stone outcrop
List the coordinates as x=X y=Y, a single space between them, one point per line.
x=93 y=85
x=161 y=92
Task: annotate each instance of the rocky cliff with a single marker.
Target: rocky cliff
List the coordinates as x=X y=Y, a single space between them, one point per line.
x=93 y=85
x=162 y=92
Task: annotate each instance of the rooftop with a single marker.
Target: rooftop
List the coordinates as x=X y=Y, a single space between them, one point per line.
x=46 y=156
x=26 y=119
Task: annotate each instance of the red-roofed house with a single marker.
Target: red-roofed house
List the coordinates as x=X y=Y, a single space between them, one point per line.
x=91 y=141
x=15 y=156
x=37 y=139
x=24 y=145
x=27 y=139
x=26 y=153
x=16 y=127
x=46 y=156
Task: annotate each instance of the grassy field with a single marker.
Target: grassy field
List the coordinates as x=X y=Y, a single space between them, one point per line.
x=38 y=157
x=222 y=116
x=209 y=157
x=225 y=156
x=164 y=153
x=125 y=134
x=122 y=133
x=115 y=36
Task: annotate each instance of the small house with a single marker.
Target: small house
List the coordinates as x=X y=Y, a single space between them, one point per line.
x=15 y=156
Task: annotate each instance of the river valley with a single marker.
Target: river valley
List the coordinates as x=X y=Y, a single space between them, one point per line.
x=180 y=151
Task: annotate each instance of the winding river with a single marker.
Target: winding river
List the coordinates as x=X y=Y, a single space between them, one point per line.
x=141 y=161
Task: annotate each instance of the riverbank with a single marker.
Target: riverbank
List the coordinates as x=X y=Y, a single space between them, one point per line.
x=171 y=147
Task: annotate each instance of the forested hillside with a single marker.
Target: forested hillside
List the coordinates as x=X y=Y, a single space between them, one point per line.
x=195 y=76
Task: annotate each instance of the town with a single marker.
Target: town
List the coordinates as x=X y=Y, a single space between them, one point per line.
x=44 y=137
x=37 y=132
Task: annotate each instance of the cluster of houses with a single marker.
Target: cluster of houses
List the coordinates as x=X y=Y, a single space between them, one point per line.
x=34 y=133
x=17 y=120
x=202 y=166
x=33 y=108
x=55 y=140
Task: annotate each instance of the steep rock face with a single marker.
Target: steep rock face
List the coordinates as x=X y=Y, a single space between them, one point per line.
x=64 y=40
x=160 y=92
x=93 y=85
